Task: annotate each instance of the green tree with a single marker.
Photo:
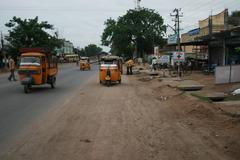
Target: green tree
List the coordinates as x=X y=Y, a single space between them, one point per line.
x=91 y=50
x=82 y=52
x=138 y=30
x=235 y=14
x=234 y=18
x=30 y=33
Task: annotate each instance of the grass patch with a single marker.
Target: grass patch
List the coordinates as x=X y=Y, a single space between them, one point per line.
x=201 y=97
x=233 y=98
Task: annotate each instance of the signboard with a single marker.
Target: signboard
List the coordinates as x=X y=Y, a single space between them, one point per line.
x=179 y=56
x=172 y=39
x=164 y=59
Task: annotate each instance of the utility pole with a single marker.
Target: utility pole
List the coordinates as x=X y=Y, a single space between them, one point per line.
x=137 y=8
x=176 y=14
x=210 y=29
x=176 y=19
x=137 y=3
x=2 y=49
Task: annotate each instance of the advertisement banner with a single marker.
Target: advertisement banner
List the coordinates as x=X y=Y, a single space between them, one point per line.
x=172 y=39
x=164 y=59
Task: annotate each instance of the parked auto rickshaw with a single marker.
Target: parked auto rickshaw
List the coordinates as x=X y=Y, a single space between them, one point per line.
x=37 y=67
x=110 y=70
x=85 y=63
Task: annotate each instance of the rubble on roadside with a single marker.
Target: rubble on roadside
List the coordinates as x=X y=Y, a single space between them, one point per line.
x=236 y=92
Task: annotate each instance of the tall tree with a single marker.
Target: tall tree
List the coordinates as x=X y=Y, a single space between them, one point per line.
x=138 y=30
x=30 y=33
x=91 y=50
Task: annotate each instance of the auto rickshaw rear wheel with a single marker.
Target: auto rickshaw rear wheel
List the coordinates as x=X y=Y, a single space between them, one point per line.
x=108 y=83
x=27 y=88
x=53 y=83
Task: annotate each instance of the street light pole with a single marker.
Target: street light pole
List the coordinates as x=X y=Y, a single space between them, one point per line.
x=3 y=50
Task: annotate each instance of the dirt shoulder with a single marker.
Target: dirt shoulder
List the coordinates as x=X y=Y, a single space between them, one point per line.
x=134 y=121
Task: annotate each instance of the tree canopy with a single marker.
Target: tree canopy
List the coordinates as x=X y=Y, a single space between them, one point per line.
x=137 y=30
x=30 y=33
x=235 y=14
x=234 y=18
x=90 y=50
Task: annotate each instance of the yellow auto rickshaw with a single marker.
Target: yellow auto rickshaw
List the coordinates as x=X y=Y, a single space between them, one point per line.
x=37 y=67
x=85 y=63
x=110 y=70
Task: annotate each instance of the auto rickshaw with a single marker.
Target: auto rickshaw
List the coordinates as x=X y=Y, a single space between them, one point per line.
x=85 y=63
x=110 y=70
x=37 y=67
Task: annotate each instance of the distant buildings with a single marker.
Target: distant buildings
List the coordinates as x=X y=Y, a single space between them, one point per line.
x=66 y=49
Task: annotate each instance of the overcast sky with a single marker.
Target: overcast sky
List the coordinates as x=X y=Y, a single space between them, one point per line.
x=82 y=21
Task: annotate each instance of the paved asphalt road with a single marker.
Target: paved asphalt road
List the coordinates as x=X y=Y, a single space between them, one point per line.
x=18 y=110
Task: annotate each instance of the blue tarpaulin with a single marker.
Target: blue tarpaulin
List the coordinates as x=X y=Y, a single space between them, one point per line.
x=194 y=32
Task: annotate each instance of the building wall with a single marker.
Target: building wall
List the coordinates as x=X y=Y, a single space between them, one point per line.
x=227 y=74
x=216 y=56
x=218 y=23
x=187 y=38
x=67 y=47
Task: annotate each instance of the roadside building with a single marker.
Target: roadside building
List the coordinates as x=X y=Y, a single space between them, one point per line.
x=66 y=49
x=215 y=42
x=66 y=52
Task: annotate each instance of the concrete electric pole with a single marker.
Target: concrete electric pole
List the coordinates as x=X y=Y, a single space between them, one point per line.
x=177 y=21
x=137 y=4
x=176 y=14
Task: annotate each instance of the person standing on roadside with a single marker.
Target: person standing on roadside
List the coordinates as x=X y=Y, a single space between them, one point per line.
x=130 y=64
x=154 y=63
x=11 y=64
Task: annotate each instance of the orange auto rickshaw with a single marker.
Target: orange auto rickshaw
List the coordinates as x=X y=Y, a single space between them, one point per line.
x=110 y=70
x=37 y=67
x=85 y=63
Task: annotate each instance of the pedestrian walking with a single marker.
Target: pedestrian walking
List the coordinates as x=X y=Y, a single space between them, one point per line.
x=130 y=64
x=11 y=64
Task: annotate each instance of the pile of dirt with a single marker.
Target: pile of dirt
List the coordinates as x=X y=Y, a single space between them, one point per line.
x=218 y=129
x=200 y=111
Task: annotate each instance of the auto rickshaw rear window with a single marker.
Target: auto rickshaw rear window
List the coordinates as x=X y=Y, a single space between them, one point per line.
x=30 y=61
x=109 y=62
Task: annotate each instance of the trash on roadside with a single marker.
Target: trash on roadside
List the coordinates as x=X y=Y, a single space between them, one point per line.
x=145 y=79
x=163 y=98
x=236 y=92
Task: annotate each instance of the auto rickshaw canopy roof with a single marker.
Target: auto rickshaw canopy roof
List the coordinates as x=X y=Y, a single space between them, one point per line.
x=84 y=58
x=35 y=54
x=110 y=58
